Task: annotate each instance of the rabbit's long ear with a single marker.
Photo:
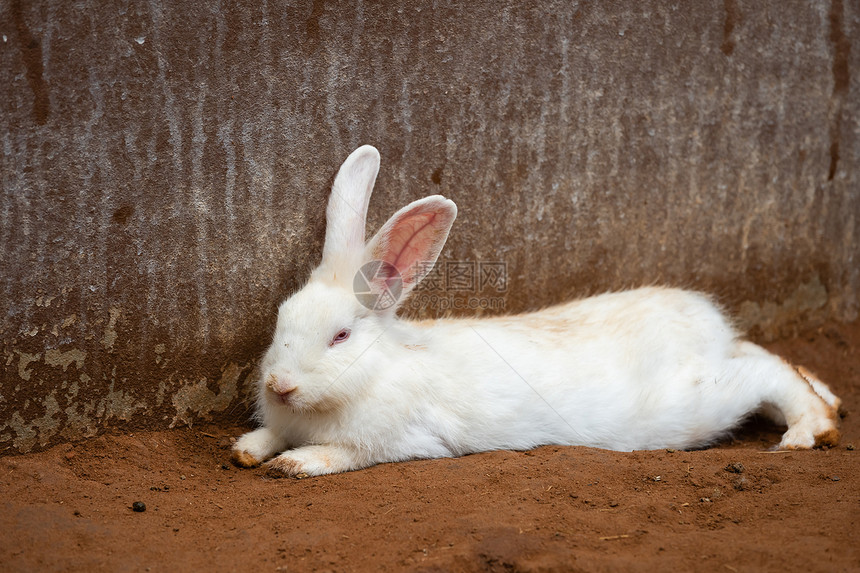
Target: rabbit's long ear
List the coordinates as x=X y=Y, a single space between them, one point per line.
x=408 y=245
x=347 y=208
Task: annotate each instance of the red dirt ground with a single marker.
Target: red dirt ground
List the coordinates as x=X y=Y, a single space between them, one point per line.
x=735 y=507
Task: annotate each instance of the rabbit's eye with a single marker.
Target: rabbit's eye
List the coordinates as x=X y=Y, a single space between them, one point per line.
x=340 y=337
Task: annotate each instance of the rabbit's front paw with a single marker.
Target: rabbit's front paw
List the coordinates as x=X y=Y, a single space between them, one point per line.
x=243 y=459
x=284 y=466
x=311 y=461
x=256 y=446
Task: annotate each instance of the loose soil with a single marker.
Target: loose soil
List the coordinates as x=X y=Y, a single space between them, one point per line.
x=733 y=507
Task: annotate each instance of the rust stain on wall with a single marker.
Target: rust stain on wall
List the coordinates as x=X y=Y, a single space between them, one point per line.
x=31 y=53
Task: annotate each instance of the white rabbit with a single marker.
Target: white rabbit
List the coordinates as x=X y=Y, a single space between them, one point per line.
x=344 y=387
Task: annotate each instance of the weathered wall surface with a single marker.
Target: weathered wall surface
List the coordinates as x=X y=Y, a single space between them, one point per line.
x=165 y=168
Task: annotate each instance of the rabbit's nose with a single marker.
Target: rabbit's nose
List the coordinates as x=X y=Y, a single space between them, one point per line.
x=280 y=385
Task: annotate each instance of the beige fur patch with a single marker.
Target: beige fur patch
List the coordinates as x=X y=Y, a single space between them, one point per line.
x=244 y=459
x=283 y=467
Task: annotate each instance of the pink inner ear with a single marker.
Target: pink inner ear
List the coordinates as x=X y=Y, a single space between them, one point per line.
x=411 y=240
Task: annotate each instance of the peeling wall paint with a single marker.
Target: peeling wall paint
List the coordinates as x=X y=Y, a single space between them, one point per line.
x=164 y=170
x=195 y=398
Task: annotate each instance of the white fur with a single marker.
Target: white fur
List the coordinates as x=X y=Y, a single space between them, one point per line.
x=641 y=369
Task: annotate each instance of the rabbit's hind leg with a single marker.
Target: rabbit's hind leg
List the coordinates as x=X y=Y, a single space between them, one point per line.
x=792 y=396
x=820 y=388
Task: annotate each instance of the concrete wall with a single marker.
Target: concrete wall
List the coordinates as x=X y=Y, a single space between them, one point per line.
x=165 y=167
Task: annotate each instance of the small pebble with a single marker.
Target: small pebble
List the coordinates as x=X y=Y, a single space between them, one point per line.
x=735 y=468
x=835 y=478
x=138 y=506
x=850 y=447
x=740 y=483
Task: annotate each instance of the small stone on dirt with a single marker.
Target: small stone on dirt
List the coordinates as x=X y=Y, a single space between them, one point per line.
x=735 y=468
x=138 y=506
x=740 y=483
